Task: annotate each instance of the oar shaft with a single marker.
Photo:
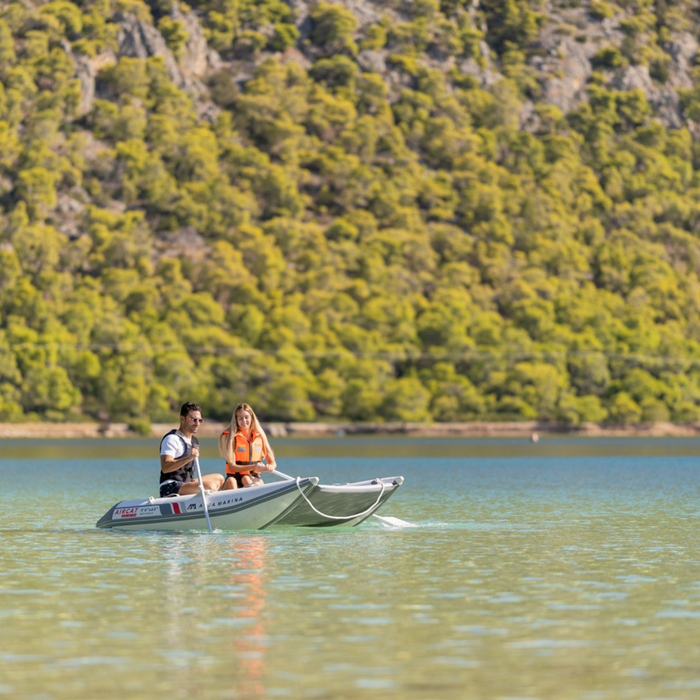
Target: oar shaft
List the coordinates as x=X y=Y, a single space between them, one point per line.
x=277 y=472
x=204 y=495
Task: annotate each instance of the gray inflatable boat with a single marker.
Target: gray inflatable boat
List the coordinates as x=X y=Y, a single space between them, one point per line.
x=294 y=502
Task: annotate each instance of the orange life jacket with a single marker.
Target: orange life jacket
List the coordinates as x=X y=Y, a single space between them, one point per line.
x=246 y=451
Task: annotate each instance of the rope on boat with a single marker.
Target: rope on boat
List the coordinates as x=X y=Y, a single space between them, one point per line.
x=342 y=517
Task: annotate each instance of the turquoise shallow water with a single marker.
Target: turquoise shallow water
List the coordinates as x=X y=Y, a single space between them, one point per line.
x=566 y=570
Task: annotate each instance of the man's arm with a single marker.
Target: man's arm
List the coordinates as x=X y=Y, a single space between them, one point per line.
x=168 y=463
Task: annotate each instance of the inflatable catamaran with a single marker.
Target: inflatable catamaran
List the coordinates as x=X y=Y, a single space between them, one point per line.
x=300 y=502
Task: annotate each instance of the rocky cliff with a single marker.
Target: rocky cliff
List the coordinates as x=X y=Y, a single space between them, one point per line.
x=574 y=44
x=369 y=211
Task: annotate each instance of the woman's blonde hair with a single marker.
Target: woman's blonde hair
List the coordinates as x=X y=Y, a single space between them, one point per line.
x=227 y=442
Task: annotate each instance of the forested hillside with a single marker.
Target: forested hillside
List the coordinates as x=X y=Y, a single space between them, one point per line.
x=386 y=210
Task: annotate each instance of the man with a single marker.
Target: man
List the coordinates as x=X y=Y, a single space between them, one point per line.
x=178 y=448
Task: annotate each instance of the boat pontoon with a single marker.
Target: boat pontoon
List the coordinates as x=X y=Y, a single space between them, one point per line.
x=340 y=504
x=253 y=508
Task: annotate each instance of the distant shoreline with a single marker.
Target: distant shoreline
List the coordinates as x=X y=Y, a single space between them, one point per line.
x=211 y=429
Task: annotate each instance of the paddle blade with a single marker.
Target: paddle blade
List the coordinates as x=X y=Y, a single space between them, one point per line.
x=393 y=522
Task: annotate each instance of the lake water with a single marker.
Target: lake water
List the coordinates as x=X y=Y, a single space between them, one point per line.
x=564 y=570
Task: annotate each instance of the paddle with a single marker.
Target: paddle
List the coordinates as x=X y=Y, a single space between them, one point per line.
x=389 y=521
x=204 y=495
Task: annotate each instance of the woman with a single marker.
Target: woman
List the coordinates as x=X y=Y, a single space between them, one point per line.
x=244 y=445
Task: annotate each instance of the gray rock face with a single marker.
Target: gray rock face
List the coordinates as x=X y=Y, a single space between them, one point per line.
x=67 y=215
x=69 y=205
x=564 y=49
x=194 y=59
x=86 y=73
x=185 y=241
x=137 y=39
x=302 y=17
x=569 y=41
x=372 y=61
x=86 y=69
x=365 y=11
x=301 y=10
x=485 y=76
x=484 y=70
x=562 y=58
x=633 y=78
x=682 y=51
x=214 y=60
x=564 y=75
x=663 y=99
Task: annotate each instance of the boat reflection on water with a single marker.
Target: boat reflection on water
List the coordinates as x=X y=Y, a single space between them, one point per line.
x=225 y=622
x=248 y=557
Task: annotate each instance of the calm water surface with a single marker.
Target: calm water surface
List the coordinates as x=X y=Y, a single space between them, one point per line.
x=564 y=570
